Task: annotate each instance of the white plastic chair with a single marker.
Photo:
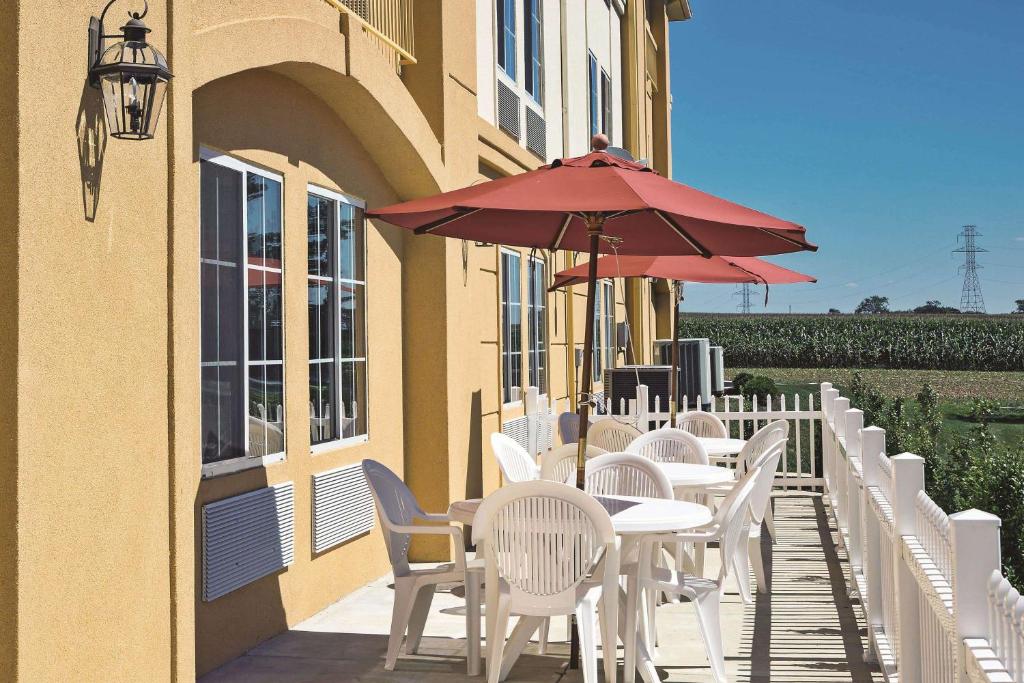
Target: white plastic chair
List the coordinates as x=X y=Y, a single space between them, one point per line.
x=414 y=588
x=549 y=550
x=559 y=464
x=670 y=445
x=611 y=435
x=702 y=424
x=752 y=451
x=625 y=474
x=727 y=528
x=760 y=508
x=515 y=463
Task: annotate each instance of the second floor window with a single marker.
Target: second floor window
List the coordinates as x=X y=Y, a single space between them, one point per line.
x=241 y=312
x=534 y=50
x=506 y=23
x=606 y=104
x=592 y=84
x=537 y=315
x=604 y=329
x=337 y=317
x=511 y=328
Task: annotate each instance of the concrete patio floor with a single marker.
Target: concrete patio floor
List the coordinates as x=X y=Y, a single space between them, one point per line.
x=805 y=630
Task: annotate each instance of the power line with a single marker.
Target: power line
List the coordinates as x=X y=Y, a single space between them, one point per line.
x=744 y=293
x=971 y=300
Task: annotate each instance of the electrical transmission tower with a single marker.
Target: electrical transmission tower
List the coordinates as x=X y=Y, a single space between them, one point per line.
x=744 y=293
x=971 y=300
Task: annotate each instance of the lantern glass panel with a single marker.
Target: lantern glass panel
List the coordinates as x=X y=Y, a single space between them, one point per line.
x=133 y=81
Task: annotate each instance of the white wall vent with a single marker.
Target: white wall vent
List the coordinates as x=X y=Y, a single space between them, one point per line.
x=518 y=429
x=342 y=506
x=536 y=133
x=247 y=537
x=508 y=110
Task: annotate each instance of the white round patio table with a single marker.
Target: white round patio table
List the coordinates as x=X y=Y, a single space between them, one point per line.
x=633 y=518
x=685 y=475
x=717 y=447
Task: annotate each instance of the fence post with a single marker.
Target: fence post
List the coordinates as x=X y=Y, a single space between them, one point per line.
x=854 y=423
x=531 y=407
x=974 y=536
x=828 y=408
x=872 y=444
x=642 y=420
x=908 y=480
x=842 y=467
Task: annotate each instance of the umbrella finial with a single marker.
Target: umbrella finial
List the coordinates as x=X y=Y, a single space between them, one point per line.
x=599 y=142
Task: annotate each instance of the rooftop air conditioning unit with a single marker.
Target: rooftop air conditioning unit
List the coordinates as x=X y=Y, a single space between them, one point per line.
x=694 y=369
x=717 y=370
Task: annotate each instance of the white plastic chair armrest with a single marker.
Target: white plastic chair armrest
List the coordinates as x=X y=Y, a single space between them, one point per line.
x=453 y=531
x=435 y=517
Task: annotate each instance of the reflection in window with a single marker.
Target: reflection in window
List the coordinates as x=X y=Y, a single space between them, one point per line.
x=242 y=360
x=506 y=24
x=595 y=112
x=534 y=50
x=511 y=328
x=337 y=314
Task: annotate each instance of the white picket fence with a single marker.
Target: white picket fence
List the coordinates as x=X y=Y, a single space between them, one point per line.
x=800 y=469
x=930 y=586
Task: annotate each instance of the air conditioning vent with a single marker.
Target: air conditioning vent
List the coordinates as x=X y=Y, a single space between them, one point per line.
x=247 y=537
x=508 y=110
x=717 y=370
x=620 y=385
x=694 y=367
x=536 y=133
x=518 y=430
x=342 y=506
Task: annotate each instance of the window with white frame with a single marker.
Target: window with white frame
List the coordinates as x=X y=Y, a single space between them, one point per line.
x=336 y=286
x=506 y=29
x=241 y=312
x=536 y=310
x=592 y=98
x=604 y=328
x=534 y=49
x=606 y=104
x=511 y=328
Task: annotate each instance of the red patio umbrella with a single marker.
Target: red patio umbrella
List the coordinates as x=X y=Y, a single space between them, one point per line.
x=715 y=270
x=597 y=203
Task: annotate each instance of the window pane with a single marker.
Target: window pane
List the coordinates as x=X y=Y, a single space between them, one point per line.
x=274 y=316
x=351 y=234
x=352 y=321
x=323 y=399
x=320 y=226
x=222 y=409
x=257 y=317
x=263 y=218
x=592 y=89
x=353 y=399
x=258 y=411
x=321 y=320
x=222 y=392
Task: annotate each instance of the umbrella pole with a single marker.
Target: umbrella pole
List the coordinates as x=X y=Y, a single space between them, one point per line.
x=673 y=401
x=595 y=225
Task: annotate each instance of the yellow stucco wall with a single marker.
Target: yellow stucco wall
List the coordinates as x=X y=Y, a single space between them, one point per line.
x=100 y=475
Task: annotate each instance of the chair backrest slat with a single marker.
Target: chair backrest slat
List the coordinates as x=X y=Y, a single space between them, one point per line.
x=559 y=464
x=626 y=474
x=670 y=445
x=515 y=463
x=611 y=435
x=702 y=424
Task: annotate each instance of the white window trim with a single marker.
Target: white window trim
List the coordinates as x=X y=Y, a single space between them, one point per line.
x=358 y=202
x=245 y=462
x=501 y=327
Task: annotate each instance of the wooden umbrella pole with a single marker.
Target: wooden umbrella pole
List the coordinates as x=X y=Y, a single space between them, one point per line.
x=673 y=400
x=595 y=226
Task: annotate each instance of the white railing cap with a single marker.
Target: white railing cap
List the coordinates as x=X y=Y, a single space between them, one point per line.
x=975 y=515
x=903 y=457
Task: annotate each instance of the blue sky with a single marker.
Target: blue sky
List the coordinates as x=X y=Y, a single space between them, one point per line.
x=880 y=126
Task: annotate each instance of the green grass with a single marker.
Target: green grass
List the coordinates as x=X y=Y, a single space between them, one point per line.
x=956 y=389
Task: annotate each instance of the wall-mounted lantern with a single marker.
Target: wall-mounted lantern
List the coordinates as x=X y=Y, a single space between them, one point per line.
x=131 y=74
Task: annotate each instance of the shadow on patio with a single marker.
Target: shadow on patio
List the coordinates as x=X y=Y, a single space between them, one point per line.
x=806 y=630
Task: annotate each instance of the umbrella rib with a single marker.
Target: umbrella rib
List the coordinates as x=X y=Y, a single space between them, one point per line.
x=798 y=243
x=700 y=248
x=430 y=227
x=561 y=232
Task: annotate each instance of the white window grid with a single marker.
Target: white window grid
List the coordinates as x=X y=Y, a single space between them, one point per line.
x=536 y=307
x=511 y=360
x=248 y=460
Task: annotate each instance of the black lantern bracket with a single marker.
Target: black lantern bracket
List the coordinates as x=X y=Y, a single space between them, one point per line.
x=97 y=37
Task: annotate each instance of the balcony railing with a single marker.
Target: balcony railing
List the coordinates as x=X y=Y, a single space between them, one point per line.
x=389 y=22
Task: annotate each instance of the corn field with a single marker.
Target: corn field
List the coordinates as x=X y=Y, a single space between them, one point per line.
x=918 y=342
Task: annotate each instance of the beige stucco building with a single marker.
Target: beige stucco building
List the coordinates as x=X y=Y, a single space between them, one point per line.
x=202 y=326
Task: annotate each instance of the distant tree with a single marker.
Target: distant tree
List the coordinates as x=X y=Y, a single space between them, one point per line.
x=1020 y=306
x=873 y=304
x=935 y=306
x=834 y=311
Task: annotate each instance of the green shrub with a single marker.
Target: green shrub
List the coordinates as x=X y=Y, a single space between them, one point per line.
x=759 y=386
x=983 y=410
x=739 y=380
